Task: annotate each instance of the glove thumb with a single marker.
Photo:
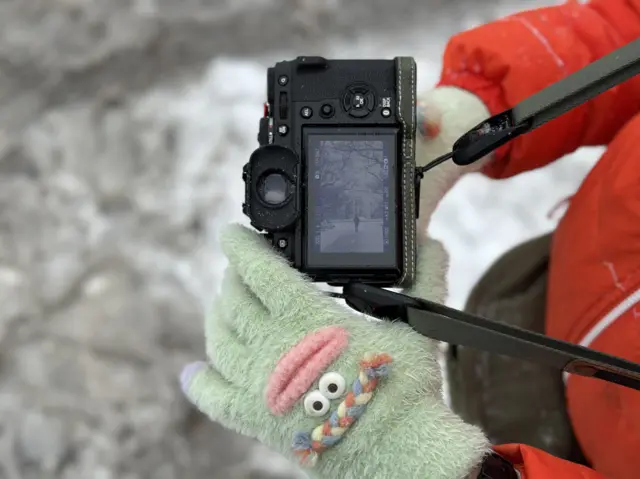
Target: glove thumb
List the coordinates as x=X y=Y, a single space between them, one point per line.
x=431 y=273
x=444 y=114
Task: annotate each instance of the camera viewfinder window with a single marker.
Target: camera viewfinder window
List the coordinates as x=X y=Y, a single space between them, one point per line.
x=352 y=184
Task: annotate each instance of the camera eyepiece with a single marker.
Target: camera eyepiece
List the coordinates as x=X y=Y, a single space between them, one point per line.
x=275 y=188
x=271 y=180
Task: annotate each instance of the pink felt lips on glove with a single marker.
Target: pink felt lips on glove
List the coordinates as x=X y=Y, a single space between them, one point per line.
x=302 y=365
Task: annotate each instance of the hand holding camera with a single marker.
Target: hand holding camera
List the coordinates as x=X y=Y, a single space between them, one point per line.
x=340 y=395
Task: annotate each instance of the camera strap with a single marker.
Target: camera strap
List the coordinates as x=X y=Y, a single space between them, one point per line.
x=455 y=327
x=546 y=105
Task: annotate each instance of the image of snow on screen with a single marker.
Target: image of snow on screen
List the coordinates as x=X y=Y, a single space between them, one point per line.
x=351 y=195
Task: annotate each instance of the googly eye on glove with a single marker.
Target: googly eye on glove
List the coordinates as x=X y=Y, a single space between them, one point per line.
x=344 y=396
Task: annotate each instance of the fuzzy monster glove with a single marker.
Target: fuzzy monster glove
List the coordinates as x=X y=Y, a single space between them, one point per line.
x=344 y=396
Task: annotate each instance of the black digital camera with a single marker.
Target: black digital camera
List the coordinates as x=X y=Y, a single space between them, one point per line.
x=333 y=183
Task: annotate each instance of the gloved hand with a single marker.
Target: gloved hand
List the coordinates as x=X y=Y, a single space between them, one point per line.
x=347 y=397
x=444 y=115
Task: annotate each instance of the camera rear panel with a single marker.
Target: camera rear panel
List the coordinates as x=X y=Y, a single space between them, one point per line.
x=317 y=91
x=314 y=108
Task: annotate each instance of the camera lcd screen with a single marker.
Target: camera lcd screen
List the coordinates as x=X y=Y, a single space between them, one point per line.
x=351 y=200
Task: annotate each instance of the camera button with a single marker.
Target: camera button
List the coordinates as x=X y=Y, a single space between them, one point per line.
x=346 y=101
x=283 y=130
x=284 y=106
x=306 y=112
x=358 y=101
x=263 y=131
x=370 y=101
x=326 y=111
x=358 y=112
x=311 y=62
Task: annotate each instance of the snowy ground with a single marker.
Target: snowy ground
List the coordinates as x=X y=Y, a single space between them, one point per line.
x=343 y=237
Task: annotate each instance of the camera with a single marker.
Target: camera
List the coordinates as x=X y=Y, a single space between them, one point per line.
x=333 y=183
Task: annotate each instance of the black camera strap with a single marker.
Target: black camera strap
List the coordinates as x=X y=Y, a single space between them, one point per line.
x=455 y=327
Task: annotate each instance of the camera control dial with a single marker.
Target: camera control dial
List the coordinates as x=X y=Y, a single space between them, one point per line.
x=358 y=100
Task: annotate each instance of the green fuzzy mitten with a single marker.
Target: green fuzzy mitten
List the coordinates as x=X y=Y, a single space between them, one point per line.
x=344 y=396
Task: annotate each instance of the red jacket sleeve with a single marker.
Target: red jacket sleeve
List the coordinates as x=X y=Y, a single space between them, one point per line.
x=510 y=59
x=533 y=463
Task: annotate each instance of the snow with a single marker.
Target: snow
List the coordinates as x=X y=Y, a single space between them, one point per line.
x=481 y=218
x=343 y=238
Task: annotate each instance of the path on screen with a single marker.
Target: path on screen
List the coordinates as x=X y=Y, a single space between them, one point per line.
x=342 y=237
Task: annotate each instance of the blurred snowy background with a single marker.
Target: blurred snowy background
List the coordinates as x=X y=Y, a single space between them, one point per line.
x=123 y=128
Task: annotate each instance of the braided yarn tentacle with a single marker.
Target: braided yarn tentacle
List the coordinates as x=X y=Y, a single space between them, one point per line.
x=309 y=446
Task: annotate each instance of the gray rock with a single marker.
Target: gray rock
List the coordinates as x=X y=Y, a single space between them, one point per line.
x=42 y=442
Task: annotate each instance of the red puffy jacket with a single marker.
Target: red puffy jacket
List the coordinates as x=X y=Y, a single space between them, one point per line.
x=594 y=277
